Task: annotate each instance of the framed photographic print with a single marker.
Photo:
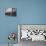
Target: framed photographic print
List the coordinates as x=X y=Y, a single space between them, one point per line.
x=32 y=32
x=10 y=11
x=28 y=34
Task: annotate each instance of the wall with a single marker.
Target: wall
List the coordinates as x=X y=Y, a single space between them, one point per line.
x=28 y=12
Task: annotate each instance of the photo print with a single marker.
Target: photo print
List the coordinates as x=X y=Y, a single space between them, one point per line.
x=10 y=11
